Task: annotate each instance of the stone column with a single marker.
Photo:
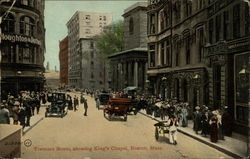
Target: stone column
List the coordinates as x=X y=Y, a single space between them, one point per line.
x=136 y=74
x=129 y=73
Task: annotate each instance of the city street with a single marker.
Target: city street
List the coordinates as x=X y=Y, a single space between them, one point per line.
x=94 y=137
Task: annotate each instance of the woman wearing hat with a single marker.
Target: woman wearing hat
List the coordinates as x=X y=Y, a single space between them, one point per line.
x=214 y=127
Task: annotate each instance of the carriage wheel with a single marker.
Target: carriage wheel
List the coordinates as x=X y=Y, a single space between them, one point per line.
x=156 y=133
x=125 y=117
x=104 y=113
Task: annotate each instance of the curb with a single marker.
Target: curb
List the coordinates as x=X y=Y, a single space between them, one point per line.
x=200 y=140
x=25 y=131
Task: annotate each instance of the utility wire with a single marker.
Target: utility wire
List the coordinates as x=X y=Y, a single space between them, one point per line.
x=8 y=11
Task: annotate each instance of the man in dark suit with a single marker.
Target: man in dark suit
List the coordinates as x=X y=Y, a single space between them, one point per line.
x=85 y=107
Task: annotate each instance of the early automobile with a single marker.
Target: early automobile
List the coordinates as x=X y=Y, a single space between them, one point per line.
x=104 y=98
x=58 y=106
x=117 y=107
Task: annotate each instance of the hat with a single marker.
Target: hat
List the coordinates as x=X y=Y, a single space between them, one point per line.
x=16 y=103
x=215 y=112
x=226 y=107
x=2 y=105
x=197 y=107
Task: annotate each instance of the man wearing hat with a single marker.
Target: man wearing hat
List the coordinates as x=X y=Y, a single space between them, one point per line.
x=4 y=114
x=227 y=122
x=15 y=110
x=197 y=120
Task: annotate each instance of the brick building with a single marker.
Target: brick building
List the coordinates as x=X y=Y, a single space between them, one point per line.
x=63 y=58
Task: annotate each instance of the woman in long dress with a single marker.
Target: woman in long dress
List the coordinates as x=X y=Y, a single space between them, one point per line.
x=214 y=127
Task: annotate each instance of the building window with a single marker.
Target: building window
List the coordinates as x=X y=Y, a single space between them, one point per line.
x=87 y=17
x=188 y=7
x=92 y=75
x=152 y=55
x=226 y=25
x=87 y=31
x=100 y=17
x=26 y=54
x=177 y=10
x=201 y=43
x=8 y=25
x=211 y=30
x=162 y=53
x=24 y=2
x=168 y=53
x=218 y=27
x=104 y=18
x=92 y=65
x=87 y=23
x=92 y=54
x=236 y=21
x=187 y=50
x=27 y=26
x=152 y=24
x=91 y=44
x=131 y=26
x=200 y=4
x=247 y=19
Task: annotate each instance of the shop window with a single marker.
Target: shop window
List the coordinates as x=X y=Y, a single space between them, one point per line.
x=8 y=51
x=226 y=24
x=27 y=26
x=236 y=21
x=8 y=25
x=131 y=26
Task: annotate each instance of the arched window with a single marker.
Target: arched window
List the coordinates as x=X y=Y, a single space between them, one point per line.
x=8 y=24
x=30 y=3
x=131 y=26
x=27 y=26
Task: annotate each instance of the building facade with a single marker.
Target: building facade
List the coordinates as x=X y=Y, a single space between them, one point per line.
x=63 y=58
x=82 y=27
x=194 y=46
x=129 y=67
x=22 y=46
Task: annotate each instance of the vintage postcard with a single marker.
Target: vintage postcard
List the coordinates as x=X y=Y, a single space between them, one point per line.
x=124 y=79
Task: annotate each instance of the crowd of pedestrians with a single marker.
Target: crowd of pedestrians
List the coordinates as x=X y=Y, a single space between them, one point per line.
x=21 y=108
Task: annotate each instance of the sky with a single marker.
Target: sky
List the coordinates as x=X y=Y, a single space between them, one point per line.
x=57 y=13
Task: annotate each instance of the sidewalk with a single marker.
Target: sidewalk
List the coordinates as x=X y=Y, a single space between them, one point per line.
x=34 y=120
x=235 y=146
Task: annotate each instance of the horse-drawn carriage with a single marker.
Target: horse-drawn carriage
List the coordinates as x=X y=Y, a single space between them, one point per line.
x=58 y=106
x=117 y=107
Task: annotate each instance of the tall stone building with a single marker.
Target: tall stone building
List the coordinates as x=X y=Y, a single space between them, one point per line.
x=63 y=58
x=22 y=46
x=85 y=69
x=199 y=53
x=129 y=66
